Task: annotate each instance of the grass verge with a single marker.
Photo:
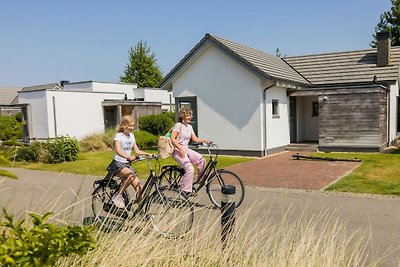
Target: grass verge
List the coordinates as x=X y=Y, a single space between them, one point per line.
x=95 y=163
x=377 y=174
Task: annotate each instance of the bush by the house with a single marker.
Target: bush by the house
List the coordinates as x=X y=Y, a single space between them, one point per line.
x=56 y=150
x=62 y=149
x=10 y=128
x=170 y=114
x=145 y=139
x=43 y=244
x=36 y=151
x=156 y=124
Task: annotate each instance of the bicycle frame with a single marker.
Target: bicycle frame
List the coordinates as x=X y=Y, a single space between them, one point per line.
x=209 y=170
x=151 y=182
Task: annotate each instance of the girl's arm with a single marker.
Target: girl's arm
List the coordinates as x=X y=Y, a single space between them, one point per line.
x=139 y=152
x=174 y=141
x=199 y=140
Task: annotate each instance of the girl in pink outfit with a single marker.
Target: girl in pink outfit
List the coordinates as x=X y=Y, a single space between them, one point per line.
x=181 y=134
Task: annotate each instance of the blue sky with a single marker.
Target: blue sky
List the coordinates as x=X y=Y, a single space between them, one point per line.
x=46 y=41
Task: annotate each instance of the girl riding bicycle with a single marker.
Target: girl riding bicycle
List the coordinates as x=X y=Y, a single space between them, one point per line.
x=124 y=141
x=181 y=134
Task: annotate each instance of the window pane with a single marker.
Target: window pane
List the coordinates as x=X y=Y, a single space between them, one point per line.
x=275 y=110
x=315 y=108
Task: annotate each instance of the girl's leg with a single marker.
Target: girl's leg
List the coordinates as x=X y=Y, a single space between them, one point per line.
x=135 y=182
x=197 y=159
x=187 y=179
x=129 y=178
x=126 y=174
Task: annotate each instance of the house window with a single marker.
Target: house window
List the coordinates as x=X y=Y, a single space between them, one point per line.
x=275 y=108
x=315 y=109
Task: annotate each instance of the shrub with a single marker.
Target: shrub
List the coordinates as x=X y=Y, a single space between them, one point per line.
x=62 y=149
x=9 y=128
x=170 y=114
x=145 y=139
x=19 y=117
x=43 y=244
x=156 y=124
x=34 y=152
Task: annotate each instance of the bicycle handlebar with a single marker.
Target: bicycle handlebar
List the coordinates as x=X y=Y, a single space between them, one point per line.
x=211 y=144
x=143 y=157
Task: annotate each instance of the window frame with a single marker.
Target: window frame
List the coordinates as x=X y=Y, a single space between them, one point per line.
x=275 y=108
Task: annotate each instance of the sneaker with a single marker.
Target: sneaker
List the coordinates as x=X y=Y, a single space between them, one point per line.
x=118 y=201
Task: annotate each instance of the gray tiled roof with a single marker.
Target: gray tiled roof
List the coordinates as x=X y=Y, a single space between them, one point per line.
x=8 y=94
x=269 y=65
x=345 y=67
x=319 y=69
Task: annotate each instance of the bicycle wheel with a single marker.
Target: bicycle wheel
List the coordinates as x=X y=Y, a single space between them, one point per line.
x=170 y=212
x=104 y=210
x=171 y=176
x=224 y=177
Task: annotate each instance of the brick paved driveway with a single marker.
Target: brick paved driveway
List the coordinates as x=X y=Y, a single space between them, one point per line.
x=281 y=171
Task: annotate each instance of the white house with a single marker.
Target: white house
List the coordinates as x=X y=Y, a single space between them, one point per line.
x=79 y=109
x=155 y=95
x=253 y=103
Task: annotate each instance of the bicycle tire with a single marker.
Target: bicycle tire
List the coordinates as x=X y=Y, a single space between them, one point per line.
x=104 y=211
x=224 y=177
x=170 y=212
x=171 y=176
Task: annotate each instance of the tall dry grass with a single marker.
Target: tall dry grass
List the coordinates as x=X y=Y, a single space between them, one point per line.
x=319 y=240
x=98 y=141
x=258 y=239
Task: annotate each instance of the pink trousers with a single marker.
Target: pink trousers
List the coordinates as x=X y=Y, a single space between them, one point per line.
x=191 y=157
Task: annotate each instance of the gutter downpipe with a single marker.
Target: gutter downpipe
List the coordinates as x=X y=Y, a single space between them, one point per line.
x=388 y=117
x=265 y=118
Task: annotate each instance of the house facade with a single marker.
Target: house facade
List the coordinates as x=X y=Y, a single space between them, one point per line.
x=253 y=103
x=79 y=109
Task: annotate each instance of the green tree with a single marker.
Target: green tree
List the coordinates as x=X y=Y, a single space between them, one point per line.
x=142 y=68
x=389 y=21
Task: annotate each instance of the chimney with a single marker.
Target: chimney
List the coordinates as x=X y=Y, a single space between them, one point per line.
x=383 y=46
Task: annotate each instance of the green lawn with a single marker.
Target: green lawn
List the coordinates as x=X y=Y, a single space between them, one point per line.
x=95 y=163
x=377 y=174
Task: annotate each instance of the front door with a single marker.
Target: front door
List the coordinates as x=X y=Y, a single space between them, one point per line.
x=110 y=117
x=191 y=102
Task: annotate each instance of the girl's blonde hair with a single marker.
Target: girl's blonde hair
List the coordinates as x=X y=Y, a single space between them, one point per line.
x=185 y=110
x=125 y=120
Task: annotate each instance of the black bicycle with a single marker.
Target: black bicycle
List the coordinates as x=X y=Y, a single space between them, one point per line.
x=213 y=178
x=168 y=209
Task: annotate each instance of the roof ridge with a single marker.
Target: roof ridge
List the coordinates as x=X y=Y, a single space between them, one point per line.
x=341 y=52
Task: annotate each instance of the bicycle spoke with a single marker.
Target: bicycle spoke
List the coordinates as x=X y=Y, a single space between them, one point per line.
x=105 y=213
x=170 y=212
